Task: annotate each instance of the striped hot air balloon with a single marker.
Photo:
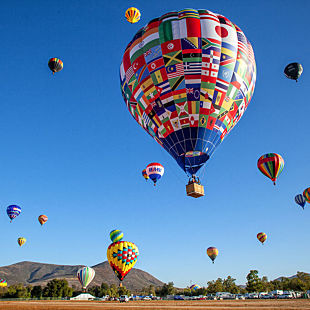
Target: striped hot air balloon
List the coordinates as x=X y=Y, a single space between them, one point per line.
x=212 y=252
x=262 y=237
x=55 y=64
x=144 y=174
x=21 y=241
x=85 y=276
x=3 y=283
x=300 y=200
x=116 y=235
x=132 y=15
x=13 y=211
x=155 y=171
x=306 y=194
x=271 y=165
x=42 y=219
x=195 y=287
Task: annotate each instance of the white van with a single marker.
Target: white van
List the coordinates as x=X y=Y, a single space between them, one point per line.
x=123 y=298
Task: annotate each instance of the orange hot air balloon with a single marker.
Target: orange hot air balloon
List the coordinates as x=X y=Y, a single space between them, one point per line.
x=212 y=252
x=132 y=15
x=42 y=219
x=262 y=237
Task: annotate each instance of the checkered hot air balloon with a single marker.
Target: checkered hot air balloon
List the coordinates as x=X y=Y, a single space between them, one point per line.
x=155 y=171
x=55 y=64
x=132 y=15
x=271 y=165
x=262 y=237
x=122 y=256
x=306 y=194
x=300 y=200
x=85 y=276
x=212 y=252
x=13 y=211
x=187 y=78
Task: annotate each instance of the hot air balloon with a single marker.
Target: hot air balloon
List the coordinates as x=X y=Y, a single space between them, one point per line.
x=262 y=237
x=3 y=283
x=85 y=276
x=55 y=64
x=122 y=256
x=306 y=194
x=271 y=165
x=42 y=219
x=21 y=241
x=155 y=171
x=116 y=235
x=212 y=252
x=13 y=211
x=300 y=199
x=195 y=287
x=132 y=15
x=293 y=71
x=144 y=174
x=187 y=78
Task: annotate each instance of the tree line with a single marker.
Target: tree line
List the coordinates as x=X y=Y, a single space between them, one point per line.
x=58 y=288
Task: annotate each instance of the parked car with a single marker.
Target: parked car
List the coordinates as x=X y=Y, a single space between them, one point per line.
x=146 y=298
x=124 y=298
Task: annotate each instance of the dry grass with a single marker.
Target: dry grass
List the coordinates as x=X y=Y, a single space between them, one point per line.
x=157 y=305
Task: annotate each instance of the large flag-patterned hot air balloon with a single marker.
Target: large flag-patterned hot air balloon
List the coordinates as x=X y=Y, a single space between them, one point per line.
x=271 y=165
x=132 y=15
x=262 y=237
x=306 y=194
x=85 y=276
x=155 y=171
x=187 y=78
x=13 y=211
x=122 y=256
x=21 y=241
x=212 y=252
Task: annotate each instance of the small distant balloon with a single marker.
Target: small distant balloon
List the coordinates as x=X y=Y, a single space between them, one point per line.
x=132 y=15
x=116 y=235
x=212 y=252
x=262 y=237
x=271 y=165
x=42 y=219
x=155 y=171
x=306 y=194
x=13 y=211
x=300 y=200
x=293 y=71
x=55 y=64
x=195 y=287
x=3 y=283
x=21 y=241
x=144 y=174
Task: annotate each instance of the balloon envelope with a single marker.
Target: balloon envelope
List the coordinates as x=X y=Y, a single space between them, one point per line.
x=116 y=235
x=21 y=241
x=187 y=78
x=13 y=211
x=85 y=276
x=212 y=252
x=293 y=71
x=55 y=64
x=155 y=171
x=306 y=194
x=300 y=199
x=262 y=237
x=195 y=287
x=132 y=15
x=144 y=174
x=122 y=256
x=271 y=165
x=3 y=283
x=42 y=219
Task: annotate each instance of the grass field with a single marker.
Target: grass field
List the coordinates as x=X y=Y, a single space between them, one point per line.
x=160 y=305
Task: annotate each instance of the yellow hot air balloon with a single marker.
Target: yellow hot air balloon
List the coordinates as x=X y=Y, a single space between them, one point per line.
x=122 y=256
x=133 y=15
x=262 y=237
x=212 y=252
x=21 y=241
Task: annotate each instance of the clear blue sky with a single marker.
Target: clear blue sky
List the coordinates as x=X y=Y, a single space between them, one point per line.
x=71 y=150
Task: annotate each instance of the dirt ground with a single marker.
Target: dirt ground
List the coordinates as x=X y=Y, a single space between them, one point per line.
x=157 y=305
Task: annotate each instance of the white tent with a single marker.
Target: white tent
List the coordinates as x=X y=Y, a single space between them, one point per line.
x=83 y=296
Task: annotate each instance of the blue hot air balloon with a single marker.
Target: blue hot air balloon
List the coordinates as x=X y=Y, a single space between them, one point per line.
x=13 y=211
x=300 y=199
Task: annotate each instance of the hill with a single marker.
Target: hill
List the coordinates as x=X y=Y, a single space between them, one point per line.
x=291 y=277
x=39 y=274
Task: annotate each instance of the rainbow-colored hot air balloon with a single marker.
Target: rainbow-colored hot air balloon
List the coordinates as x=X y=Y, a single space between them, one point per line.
x=132 y=15
x=271 y=165
x=300 y=200
x=144 y=174
x=116 y=235
x=122 y=256
x=42 y=219
x=13 y=211
x=212 y=252
x=306 y=194
x=262 y=237
x=55 y=64
x=155 y=171
x=195 y=287
x=3 y=283
x=187 y=78
x=85 y=276
x=21 y=241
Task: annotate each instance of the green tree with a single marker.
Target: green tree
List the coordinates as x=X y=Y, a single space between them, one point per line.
x=37 y=291
x=57 y=288
x=254 y=283
x=166 y=289
x=17 y=291
x=215 y=286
